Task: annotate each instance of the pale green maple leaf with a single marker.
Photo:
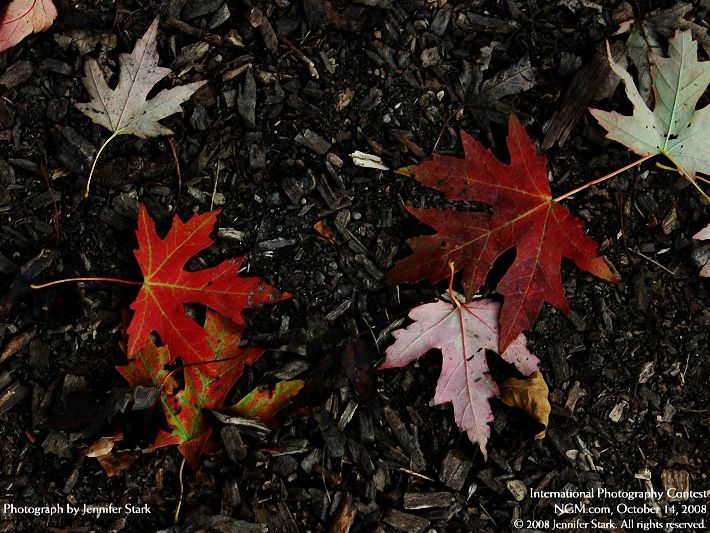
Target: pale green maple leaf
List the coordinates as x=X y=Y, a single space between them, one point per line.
x=674 y=128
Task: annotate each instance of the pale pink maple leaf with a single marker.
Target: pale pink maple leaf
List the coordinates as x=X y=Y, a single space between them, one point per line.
x=463 y=334
x=23 y=17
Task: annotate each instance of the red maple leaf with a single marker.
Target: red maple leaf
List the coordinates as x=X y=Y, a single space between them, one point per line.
x=167 y=287
x=524 y=216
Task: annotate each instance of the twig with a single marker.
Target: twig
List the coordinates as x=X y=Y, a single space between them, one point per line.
x=116 y=11
x=443 y=128
x=416 y=474
x=687 y=177
x=682 y=374
x=171 y=145
x=43 y=172
x=301 y=56
x=195 y=32
x=216 y=181
x=659 y=265
x=487 y=514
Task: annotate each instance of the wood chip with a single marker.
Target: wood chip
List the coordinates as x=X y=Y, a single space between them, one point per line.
x=405 y=438
x=592 y=81
x=454 y=469
x=343 y=99
x=405 y=521
x=16 y=74
x=362 y=159
x=11 y=396
x=676 y=484
x=670 y=222
x=646 y=372
x=517 y=488
x=489 y=479
x=573 y=395
x=233 y=443
x=246 y=101
x=558 y=361
x=618 y=410
x=346 y=516
x=16 y=344
x=313 y=141
x=58 y=444
x=427 y=500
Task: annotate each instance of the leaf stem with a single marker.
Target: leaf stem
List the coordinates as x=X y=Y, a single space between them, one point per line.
x=603 y=178
x=692 y=181
x=58 y=281
x=459 y=308
x=176 y=515
x=694 y=184
x=98 y=154
x=201 y=363
x=453 y=297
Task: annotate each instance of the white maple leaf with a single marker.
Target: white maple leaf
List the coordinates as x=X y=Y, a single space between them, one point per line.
x=674 y=127
x=126 y=110
x=463 y=333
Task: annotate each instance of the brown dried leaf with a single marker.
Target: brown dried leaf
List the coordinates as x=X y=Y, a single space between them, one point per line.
x=16 y=344
x=530 y=395
x=101 y=446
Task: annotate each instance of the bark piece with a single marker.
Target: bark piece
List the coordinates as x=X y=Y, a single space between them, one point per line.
x=405 y=521
x=233 y=443
x=427 y=500
x=454 y=469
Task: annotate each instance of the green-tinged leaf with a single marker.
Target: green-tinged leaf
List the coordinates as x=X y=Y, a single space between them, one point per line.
x=263 y=403
x=206 y=384
x=147 y=368
x=674 y=128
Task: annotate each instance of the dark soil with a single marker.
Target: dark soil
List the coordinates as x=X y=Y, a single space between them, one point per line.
x=274 y=142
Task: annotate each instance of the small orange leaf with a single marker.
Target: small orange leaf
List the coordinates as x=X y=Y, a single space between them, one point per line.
x=530 y=395
x=324 y=231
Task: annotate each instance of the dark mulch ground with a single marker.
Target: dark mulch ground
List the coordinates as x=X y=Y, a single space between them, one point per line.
x=274 y=142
